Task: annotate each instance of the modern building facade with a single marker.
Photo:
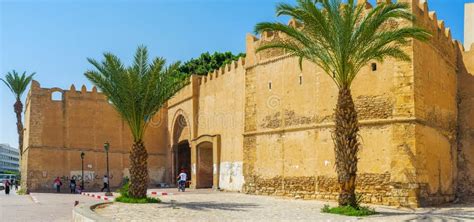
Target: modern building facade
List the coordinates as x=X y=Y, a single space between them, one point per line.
x=469 y=25
x=9 y=159
x=262 y=125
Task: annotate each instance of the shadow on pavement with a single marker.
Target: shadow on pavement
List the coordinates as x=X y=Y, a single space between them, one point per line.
x=449 y=212
x=210 y=205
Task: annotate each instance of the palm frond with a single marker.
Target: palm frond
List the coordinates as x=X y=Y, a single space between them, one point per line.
x=17 y=83
x=139 y=91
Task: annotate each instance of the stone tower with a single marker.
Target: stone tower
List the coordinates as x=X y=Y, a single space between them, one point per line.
x=468 y=25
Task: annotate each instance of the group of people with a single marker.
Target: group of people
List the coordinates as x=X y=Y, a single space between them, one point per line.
x=74 y=188
x=10 y=184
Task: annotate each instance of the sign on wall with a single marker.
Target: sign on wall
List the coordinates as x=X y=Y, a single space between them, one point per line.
x=88 y=175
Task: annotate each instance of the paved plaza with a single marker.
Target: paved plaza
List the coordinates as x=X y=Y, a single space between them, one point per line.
x=207 y=205
x=222 y=206
x=39 y=207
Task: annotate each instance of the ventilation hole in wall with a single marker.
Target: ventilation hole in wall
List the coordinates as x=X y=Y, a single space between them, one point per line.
x=270 y=85
x=301 y=80
x=56 y=96
x=374 y=66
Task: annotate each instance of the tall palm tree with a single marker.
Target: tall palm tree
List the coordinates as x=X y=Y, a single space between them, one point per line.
x=17 y=84
x=137 y=93
x=341 y=38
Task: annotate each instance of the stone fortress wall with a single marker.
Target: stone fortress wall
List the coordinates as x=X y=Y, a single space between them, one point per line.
x=263 y=126
x=57 y=131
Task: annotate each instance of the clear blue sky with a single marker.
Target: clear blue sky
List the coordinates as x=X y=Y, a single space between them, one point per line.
x=54 y=37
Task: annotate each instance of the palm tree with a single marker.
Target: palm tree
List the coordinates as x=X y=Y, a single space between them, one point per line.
x=341 y=38
x=137 y=93
x=17 y=84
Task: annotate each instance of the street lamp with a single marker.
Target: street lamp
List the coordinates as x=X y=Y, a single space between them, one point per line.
x=82 y=165
x=106 y=147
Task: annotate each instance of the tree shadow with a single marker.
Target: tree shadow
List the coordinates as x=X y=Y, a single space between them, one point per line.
x=435 y=214
x=212 y=205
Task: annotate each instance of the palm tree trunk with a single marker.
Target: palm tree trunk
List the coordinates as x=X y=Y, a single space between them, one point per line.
x=18 y=107
x=346 y=147
x=138 y=170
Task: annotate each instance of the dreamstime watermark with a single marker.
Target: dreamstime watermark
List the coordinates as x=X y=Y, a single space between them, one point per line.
x=217 y=120
x=274 y=102
x=156 y=121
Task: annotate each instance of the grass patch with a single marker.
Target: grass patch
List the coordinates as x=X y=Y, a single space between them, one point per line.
x=125 y=199
x=349 y=211
x=21 y=191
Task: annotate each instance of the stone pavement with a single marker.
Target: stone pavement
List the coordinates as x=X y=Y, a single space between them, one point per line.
x=39 y=206
x=222 y=206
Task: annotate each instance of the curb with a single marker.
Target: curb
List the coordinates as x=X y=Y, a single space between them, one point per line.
x=84 y=213
x=160 y=193
x=100 y=197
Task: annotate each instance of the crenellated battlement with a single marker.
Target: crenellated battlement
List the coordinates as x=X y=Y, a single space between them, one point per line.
x=428 y=19
x=226 y=69
x=441 y=40
x=72 y=93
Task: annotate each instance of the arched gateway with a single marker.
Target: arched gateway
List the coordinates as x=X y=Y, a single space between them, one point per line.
x=199 y=157
x=180 y=149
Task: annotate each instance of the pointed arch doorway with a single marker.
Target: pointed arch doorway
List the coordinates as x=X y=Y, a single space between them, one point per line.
x=181 y=148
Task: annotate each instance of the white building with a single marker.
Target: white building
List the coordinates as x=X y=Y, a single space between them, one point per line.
x=468 y=25
x=9 y=158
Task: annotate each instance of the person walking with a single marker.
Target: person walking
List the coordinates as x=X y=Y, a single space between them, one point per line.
x=72 y=184
x=14 y=184
x=17 y=183
x=106 y=183
x=57 y=184
x=182 y=177
x=7 y=187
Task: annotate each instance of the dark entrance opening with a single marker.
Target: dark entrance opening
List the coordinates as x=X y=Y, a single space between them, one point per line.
x=183 y=154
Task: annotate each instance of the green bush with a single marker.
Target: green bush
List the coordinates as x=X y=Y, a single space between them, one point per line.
x=145 y=200
x=21 y=191
x=124 y=189
x=125 y=198
x=349 y=210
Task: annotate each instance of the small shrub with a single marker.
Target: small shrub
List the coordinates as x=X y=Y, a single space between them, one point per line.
x=124 y=189
x=21 y=191
x=145 y=200
x=349 y=210
x=125 y=198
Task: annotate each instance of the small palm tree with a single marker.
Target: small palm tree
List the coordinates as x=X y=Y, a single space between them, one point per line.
x=341 y=38
x=17 y=84
x=137 y=93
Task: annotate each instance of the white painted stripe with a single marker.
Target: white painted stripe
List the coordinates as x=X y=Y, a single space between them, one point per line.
x=100 y=197
x=35 y=200
x=160 y=193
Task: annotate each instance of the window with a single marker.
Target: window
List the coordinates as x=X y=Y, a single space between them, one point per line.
x=56 y=96
x=374 y=66
x=270 y=85
x=301 y=79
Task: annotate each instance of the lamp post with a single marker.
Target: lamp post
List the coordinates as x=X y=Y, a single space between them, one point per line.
x=82 y=166
x=106 y=147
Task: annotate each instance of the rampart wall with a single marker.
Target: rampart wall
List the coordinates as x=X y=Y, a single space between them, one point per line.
x=435 y=94
x=221 y=111
x=466 y=123
x=57 y=131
